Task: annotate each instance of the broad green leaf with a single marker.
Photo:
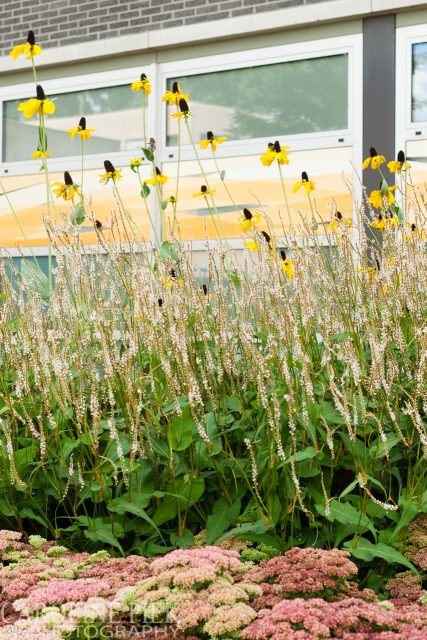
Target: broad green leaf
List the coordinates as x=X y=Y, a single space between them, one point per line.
x=104 y=533
x=345 y=513
x=148 y=154
x=257 y=527
x=145 y=191
x=223 y=515
x=182 y=431
x=365 y=550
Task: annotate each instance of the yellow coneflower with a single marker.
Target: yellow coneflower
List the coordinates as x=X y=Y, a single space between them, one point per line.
x=142 y=85
x=172 y=200
x=212 y=141
x=287 y=265
x=249 y=220
x=304 y=182
x=184 y=110
x=157 y=178
x=374 y=159
x=111 y=173
x=29 y=48
x=40 y=104
x=252 y=245
x=377 y=197
x=416 y=233
x=275 y=152
x=67 y=189
x=399 y=165
x=174 y=96
x=204 y=192
x=382 y=223
x=135 y=163
x=80 y=130
x=172 y=280
x=339 y=222
x=40 y=154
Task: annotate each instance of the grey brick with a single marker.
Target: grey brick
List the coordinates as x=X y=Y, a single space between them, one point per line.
x=61 y=22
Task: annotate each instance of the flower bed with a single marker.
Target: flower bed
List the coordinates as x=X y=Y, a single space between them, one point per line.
x=50 y=593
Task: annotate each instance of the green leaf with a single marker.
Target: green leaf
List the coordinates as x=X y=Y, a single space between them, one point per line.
x=257 y=527
x=145 y=191
x=365 y=550
x=223 y=515
x=182 y=431
x=34 y=278
x=26 y=512
x=78 y=215
x=148 y=154
x=104 y=533
x=306 y=454
x=345 y=513
x=136 y=507
x=222 y=174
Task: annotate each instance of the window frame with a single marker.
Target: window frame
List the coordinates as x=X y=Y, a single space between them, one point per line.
x=351 y=45
x=158 y=73
x=406 y=130
x=54 y=87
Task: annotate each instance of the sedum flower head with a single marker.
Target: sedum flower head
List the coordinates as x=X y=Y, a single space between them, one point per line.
x=29 y=48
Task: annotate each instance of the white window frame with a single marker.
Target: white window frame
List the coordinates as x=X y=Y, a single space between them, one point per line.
x=406 y=130
x=54 y=87
x=349 y=137
x=156 y=117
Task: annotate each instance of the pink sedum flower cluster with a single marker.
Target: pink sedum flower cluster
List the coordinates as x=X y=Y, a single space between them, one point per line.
x=49 y=593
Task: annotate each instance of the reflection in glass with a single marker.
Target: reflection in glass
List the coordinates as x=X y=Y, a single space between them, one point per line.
x=416 y=190
x=114 y=112
x=27 y=195
x=419 y=82
x=259 y=189
x=301 y=96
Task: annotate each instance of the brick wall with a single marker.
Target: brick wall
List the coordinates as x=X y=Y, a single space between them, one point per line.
x=72 y=21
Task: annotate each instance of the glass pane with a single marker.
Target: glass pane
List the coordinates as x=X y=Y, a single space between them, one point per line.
x=27 y=195
x=258 y=188
x=285 y=98
x=419 y=82
x=416 y=191
x=114 y=112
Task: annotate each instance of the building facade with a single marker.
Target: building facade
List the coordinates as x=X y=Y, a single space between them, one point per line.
x=329 y=79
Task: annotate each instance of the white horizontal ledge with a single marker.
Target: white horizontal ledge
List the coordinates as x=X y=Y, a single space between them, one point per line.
x=145 y=42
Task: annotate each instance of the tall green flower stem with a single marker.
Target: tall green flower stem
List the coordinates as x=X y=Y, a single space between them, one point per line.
x=42 y=139
x=147 y=208
x=222 y=236
x=144 y=111
x=18 y=222
x=285 y=194
x=222 y=178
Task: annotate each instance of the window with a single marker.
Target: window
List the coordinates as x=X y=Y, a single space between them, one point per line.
x=114 y=113
x=411 y=111
x=419 y=82
x=299 y=96
x=307 y=95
